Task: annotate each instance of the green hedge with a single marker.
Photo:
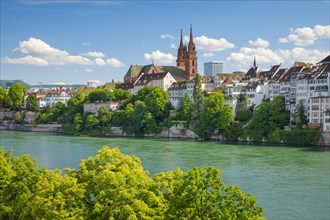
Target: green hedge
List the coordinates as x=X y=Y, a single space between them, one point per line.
x=301 y=137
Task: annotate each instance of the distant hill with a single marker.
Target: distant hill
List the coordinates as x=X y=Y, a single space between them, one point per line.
x=8 y=83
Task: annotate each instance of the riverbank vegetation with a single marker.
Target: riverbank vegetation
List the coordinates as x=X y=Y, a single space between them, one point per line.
x=149 y=112
x=112 y=185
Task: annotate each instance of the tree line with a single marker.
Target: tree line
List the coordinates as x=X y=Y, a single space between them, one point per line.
x=149 y=112
x=112 y=185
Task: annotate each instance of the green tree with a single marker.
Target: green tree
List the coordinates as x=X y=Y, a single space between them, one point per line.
x=55 y=197
x=5 y=101
x=243 y=115
x=18 y=177
x=91 y=123
x=105 y=118
x=300 y=116
x=77 y=123
x=16 y=94
x=200 y=194
x=184 y=110
x=112 y=185
x=197 y=94
x=158 y=104
x=32 y=103
x=117 y=187
x=98 y=95
x=267 y=117
x=215 y=115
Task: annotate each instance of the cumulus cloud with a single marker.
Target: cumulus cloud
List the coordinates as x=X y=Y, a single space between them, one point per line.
x=166 y=36
x=306 y=36
x=37 y=52
x=246 y=55
x=261 y=43
x=93 y=54
x=208 y=54
x=159 y=57
x=210 y=44
x=114 y=62
x=25 y=60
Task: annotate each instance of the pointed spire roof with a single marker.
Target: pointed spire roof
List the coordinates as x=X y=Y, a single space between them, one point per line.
x=191 y=45
x=181 y=40
x=254 y=62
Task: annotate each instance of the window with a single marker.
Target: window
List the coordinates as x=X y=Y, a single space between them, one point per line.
x=315 y=107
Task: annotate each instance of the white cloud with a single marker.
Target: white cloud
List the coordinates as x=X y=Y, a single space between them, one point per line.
x=93 y=54
x=244 y=58
x=99 y=62
x=114 y=62
x=85 y=44
x=166 y=36
x=88 y=70
x=208 y=54
x=25 y=60
x=306 y=36
x=173 y=46
x=160 y=57
x=261 y=43
x=210 y=44
x=37 y=52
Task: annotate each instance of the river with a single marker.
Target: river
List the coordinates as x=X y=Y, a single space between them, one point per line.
x=288 y=182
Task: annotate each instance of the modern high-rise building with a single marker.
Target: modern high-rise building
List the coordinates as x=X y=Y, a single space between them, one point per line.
x=213 y=67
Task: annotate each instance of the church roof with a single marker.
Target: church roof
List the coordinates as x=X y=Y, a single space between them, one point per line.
x=177 y=72
x=133 y=71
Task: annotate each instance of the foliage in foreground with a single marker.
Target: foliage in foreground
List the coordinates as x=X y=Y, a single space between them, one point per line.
x=112 y=185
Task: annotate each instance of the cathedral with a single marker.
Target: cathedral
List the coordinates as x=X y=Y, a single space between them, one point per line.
x=185 y=69
x=187 y=57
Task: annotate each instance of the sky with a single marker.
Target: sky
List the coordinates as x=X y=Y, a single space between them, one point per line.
x=74 y=41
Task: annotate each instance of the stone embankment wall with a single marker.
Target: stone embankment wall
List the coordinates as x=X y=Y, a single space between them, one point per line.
x=10 y=125
x=176 y=131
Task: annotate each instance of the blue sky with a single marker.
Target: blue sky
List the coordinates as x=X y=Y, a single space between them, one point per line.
x=75 y=41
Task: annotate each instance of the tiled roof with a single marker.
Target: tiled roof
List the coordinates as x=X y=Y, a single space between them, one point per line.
x=177 y=72
x=228 y=81
x=324 y=69
x=251 y=73
x=124 y=86
x=109 y=85
x=133 y=71
x=207 y=79
x=291 y=73
x=325 y=60
x=178 y=86
x=146 y=78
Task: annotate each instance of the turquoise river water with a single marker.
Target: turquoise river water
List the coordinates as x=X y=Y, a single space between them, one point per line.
x=288 y=182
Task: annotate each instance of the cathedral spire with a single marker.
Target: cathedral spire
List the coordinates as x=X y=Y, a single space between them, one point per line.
x=191 y=45
x=191 y=37
x=254 y=62
x=181 y=41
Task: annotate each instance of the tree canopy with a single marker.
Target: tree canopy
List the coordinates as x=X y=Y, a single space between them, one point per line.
x=112 y=185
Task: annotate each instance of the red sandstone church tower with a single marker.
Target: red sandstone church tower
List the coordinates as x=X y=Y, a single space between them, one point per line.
x=187 y=58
